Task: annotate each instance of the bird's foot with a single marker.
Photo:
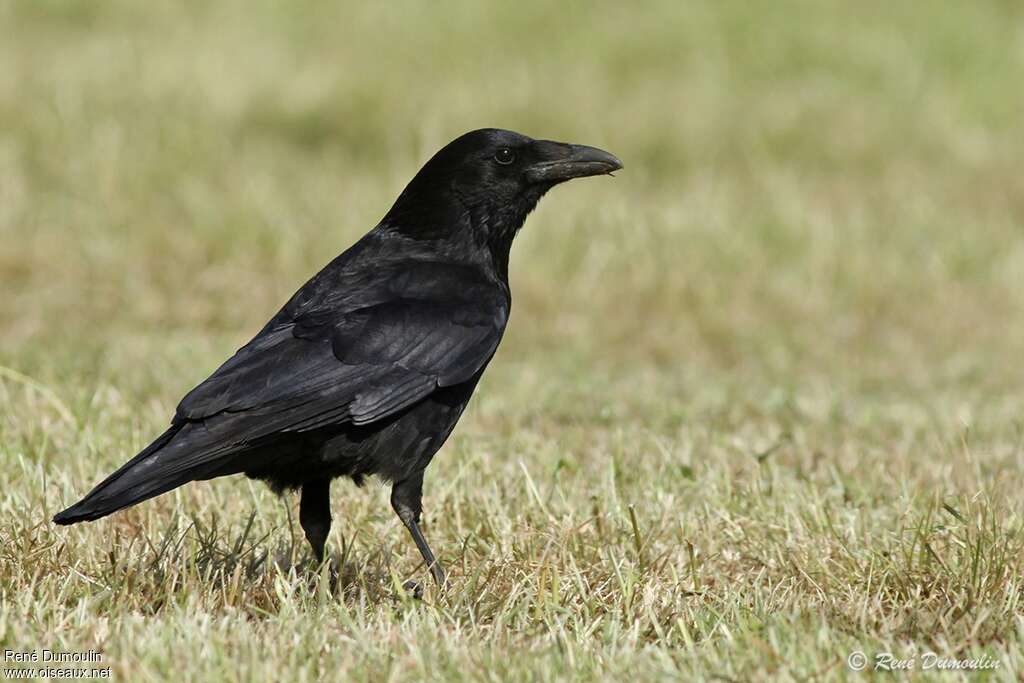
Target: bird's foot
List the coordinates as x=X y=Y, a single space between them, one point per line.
x=414 y=588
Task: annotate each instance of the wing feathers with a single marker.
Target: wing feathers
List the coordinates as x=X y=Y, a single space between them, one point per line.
x=360 y=368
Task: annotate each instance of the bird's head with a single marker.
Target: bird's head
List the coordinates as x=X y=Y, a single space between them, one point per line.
x=487 y=181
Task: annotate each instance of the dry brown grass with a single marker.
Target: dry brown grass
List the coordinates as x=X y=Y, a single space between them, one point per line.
x=760 y=401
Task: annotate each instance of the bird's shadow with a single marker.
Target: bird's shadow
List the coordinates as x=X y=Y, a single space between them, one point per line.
x=238 y=562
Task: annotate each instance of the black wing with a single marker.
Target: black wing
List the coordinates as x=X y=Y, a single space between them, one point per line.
x=358 y=367
x=323 y=360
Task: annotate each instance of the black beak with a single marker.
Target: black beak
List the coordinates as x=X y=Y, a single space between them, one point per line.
x=565 y=162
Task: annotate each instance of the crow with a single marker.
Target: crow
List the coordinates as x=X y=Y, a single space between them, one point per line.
x=369 y=365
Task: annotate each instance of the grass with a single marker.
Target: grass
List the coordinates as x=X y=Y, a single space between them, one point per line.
x=759 y=406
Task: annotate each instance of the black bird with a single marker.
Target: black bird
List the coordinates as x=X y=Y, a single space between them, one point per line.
x=367 y=368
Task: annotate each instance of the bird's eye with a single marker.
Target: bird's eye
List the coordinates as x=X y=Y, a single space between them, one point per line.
x=504 y=156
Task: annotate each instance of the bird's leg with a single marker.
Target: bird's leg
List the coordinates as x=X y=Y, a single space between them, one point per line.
x=406 y=497
x=315 y=514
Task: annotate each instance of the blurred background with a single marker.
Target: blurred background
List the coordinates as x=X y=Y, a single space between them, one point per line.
x=814 y=192
x=800 y=304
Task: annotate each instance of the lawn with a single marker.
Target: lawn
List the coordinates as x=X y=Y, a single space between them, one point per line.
x=761 y=401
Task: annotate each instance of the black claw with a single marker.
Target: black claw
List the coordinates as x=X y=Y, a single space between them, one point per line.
x=415 y=588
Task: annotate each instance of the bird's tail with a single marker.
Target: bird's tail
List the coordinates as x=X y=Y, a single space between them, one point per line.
x=146 y=475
